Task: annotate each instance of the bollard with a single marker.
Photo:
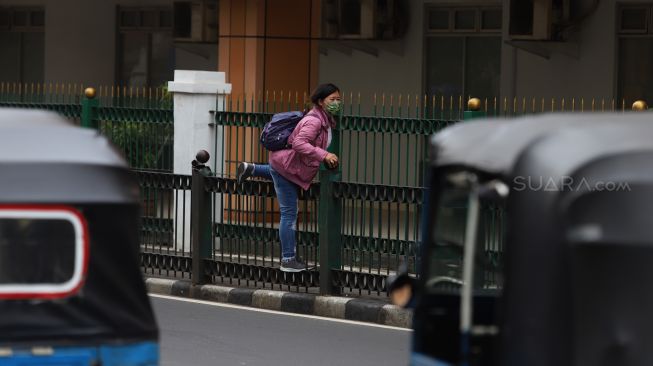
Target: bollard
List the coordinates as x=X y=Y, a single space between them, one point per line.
x=200 y=218
x=89 y=109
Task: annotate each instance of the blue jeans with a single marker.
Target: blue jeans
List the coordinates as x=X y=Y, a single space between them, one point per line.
x=287 y=193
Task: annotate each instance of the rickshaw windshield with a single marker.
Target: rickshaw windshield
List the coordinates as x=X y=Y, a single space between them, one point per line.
x=445 y=270
x=42 y=252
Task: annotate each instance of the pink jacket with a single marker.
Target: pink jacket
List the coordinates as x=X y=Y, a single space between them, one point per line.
x=309 y=143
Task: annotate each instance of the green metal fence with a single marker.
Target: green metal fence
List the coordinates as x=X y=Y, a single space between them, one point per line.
x=137 y=120
x=356 y=225
x=165 y=227
x=373 y=203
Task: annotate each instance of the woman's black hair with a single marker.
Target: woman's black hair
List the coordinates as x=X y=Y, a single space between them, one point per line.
x=322 y=91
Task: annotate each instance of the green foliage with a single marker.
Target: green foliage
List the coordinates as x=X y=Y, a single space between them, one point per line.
x=145 y=145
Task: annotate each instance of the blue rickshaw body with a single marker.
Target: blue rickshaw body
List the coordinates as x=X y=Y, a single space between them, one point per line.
x=140 y=354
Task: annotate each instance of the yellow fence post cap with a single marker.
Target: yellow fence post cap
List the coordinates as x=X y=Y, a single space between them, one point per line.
x=640 y=105
x=89 y=92
x=474 y=104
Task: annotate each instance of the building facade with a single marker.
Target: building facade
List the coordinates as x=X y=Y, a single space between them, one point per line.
x=596 y=49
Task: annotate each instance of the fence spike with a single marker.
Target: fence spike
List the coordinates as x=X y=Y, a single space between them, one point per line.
x=523 y=105
x=417 y=106
x=553 y=103
x=562 y=106
x=351 y=100
x=433 y=106
x=485 y=106
x=505 y=105
x=613 y=109
x=266 y=100
x=425 y=101
x=593 y=103
x=533 y=105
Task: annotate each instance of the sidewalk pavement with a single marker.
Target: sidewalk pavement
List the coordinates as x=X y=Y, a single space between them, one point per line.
x=349 y=308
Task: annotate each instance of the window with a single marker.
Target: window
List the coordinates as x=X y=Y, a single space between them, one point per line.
x=22 y=45
x=463 y=51
x=447 y=243
x=145 y=46
x=43 y=252
x=635 y=42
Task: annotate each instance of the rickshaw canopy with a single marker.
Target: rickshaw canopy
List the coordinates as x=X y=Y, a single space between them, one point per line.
x=69 y=245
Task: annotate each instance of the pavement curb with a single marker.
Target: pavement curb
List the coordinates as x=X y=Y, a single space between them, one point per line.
x=364 y=310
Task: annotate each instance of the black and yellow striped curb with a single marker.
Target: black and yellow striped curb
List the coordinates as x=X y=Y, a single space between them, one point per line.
x=327 y=306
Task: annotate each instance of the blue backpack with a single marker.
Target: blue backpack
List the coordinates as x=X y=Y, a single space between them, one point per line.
x=275 y=133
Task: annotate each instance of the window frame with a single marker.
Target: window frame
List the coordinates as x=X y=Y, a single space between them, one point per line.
x=451 y=32
x=620 y=34
x=140 y=29
x=22 y=30
x=647 y=22
x=46 y=290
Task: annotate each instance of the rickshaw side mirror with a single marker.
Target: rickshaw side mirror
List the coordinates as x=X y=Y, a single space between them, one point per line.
x=401 y=289
x=493 y=191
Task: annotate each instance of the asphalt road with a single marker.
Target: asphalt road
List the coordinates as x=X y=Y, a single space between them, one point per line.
x=199 y=333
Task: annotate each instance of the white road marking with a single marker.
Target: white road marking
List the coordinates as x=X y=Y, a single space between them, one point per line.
x=223 y=305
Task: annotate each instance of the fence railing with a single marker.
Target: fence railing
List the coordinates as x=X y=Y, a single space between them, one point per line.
x=355 y=226
x=139 y=121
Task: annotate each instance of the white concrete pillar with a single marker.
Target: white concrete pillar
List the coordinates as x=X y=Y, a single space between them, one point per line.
x=196 y=93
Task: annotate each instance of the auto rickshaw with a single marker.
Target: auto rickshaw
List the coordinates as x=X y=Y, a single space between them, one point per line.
x=71 y=290
x=538 y=244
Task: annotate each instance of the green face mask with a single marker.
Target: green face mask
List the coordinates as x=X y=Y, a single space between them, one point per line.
x=334 y=107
